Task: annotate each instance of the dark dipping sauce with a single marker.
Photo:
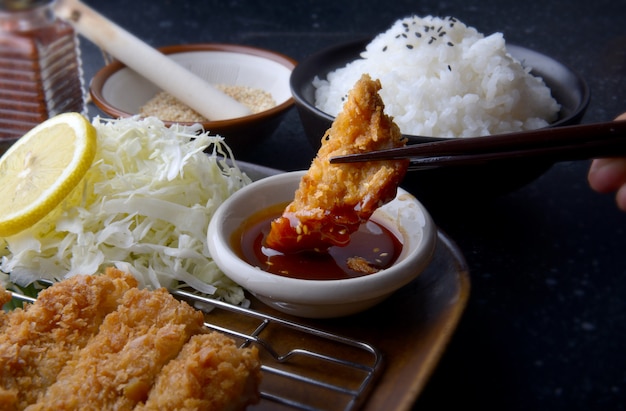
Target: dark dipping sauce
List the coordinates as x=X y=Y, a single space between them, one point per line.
x=372 y=242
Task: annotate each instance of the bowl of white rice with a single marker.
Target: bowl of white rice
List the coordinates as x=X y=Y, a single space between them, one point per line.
x=257 y=78
x=443 y=79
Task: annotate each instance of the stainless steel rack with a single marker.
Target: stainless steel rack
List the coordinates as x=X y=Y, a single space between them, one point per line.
x=304 y=368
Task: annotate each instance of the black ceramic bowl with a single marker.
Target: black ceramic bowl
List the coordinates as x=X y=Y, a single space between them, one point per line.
x=498 y=177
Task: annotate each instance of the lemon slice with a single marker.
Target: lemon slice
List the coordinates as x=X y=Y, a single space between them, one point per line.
x=42 y=168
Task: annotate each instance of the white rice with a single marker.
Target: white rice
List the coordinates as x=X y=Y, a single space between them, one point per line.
x=442 y=78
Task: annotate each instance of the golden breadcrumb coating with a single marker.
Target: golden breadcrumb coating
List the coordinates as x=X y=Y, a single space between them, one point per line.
x=7 y=396
x=5 y=297
x=334 y=199
x=39 y=339
x=99 y=343
x=117 y=368
x=209 y=374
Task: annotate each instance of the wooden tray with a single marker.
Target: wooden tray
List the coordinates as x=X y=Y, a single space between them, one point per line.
x=410 y=331
x=378 y=359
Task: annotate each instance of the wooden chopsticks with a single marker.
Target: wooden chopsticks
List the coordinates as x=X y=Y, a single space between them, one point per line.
x=566 y=143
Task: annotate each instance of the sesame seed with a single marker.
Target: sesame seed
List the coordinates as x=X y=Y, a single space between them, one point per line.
x=168 y=108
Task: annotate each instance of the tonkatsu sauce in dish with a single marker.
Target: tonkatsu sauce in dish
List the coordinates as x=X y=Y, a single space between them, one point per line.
x=371 y=248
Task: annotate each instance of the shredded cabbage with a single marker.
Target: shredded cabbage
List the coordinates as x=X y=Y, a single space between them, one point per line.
x=144 y=206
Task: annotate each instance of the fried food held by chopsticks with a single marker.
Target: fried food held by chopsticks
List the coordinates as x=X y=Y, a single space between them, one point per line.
x=333 y=200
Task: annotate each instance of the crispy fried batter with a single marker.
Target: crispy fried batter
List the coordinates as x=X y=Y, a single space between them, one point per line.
x=361 y=265
x=38 y=340
x=117 y=368
x=5 y=297
x=334 y=199
x=209 y=374
x=100 y=343
x=7 y=396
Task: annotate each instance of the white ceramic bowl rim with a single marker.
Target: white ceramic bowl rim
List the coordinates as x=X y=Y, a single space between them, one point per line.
x=119 y=92
x=129 y=91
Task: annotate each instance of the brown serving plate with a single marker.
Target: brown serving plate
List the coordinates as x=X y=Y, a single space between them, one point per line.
x=408 y=333
x=391 y=349
x=378 y=359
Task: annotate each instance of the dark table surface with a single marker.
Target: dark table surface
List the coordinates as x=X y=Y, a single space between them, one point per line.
x=545 y=325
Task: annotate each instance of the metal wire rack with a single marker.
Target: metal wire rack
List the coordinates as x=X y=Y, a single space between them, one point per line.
x=304 y=368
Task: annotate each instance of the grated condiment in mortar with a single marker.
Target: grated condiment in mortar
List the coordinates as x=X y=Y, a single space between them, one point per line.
x=168 y=108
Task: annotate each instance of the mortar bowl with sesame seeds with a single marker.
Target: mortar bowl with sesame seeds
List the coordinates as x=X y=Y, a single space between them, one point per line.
x=434 y=186
x=258 y=78
x=404 y=217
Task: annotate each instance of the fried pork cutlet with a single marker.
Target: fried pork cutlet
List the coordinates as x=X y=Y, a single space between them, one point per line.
x=5 y=297
x=333 y=200
x=209 y=374
x=119 y=365
x=38 y=340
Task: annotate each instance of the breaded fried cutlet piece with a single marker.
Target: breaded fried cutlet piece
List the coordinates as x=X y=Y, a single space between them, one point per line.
x=119 y=365
x=211 y=373
x=333 y=200
x=39 y=339
x=7 y=396
x=5 y=297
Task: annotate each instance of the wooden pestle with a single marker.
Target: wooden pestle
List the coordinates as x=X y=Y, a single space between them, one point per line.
x=165 y=73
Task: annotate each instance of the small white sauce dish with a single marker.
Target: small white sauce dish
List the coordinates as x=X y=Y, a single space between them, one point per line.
x=404 y=216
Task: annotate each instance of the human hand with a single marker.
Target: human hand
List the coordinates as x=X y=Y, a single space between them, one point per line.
x=607 y=175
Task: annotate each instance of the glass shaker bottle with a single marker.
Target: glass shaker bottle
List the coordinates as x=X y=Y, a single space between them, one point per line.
x=40 y=68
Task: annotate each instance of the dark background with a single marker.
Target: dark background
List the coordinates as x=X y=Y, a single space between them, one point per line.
x=545 y=325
